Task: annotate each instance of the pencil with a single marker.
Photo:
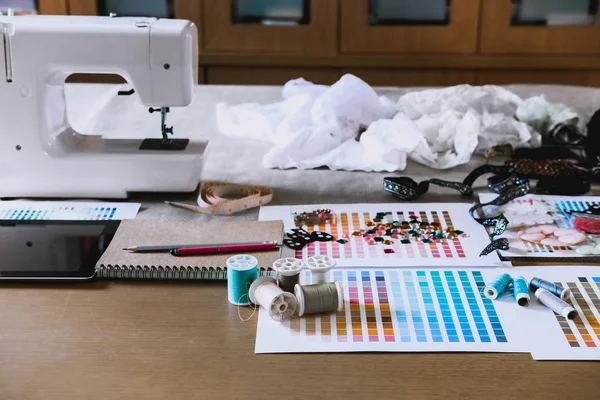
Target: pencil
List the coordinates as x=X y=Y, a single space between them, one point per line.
x=168 y=247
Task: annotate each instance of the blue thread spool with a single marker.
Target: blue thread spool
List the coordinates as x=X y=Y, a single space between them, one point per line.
x=242 y=270
x=494 y=289
x=558 y=291
x=521 y=291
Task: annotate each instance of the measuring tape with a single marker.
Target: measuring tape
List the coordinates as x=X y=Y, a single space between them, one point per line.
x=215 y=198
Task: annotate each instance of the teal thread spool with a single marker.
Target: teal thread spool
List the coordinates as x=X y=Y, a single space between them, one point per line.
x=538 y=283
x=494 y=289
x=521 y=291
x=242 y=270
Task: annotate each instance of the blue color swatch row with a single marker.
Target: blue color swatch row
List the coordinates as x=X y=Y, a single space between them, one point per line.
x=424 y=306
x=29 y=214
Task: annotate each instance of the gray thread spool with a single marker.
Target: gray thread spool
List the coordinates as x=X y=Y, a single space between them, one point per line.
x=538 y=283
x=288 y=273
x=320 y=298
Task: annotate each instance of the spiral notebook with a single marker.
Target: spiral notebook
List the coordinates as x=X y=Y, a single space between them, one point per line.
x=117 y=263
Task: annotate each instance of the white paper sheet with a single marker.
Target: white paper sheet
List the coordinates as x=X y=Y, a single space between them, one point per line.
x=557 y=338
x=462 y=251
x=407 y=310
x=533 y=210
x=67 y=210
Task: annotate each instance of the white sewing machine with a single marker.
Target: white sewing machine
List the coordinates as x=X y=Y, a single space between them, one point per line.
x=40 y=153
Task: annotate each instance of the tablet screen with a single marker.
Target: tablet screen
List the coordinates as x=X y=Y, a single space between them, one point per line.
x=53 y=249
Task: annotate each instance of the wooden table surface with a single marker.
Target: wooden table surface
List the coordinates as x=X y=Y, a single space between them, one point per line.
x=163 y=340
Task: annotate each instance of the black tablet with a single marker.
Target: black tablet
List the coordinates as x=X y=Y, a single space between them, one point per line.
x=52 y=250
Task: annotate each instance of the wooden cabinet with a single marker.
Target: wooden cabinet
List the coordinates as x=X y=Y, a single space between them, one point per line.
x=317 y=37
x=385 y=42
x=458 y=36
x=500 y=36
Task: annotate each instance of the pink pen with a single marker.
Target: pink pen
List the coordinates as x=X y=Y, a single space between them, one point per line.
x=193 y=251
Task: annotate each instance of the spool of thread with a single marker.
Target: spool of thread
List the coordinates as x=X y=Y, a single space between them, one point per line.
x=242 y=270
x=559 y=291
x=521 y=291
x=555 y=304
x=288 y=273
x=265 y=292
x=319 y=267
x=319 y=298
x=494 y=289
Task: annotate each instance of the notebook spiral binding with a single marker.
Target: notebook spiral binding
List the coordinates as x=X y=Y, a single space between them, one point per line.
x=167 y=273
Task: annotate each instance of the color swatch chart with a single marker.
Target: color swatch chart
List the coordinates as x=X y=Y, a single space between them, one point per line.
x=553 y=210
x=578 y=338
x=398 y=310
x=350 y=219
x=31 y=211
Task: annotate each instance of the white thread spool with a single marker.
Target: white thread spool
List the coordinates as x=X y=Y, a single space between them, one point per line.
x=319 y=267
x=280 y=305
x=288 y=273
x=555 y=304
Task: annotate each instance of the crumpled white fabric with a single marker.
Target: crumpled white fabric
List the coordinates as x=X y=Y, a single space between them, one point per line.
x=347 y=126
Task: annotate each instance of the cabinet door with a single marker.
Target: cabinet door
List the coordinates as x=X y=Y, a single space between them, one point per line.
x=540 y=27
x=406 y=26
x=47 y=7
x=276 y=26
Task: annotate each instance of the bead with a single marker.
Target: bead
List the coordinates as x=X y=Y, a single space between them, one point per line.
x=342 y=241
x=356 y=233
x=370 y=223
x=379 y=239
x=388 y=242
x=405 y=241
x=388 y=251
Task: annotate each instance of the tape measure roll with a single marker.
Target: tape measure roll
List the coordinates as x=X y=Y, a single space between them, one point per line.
x=215 y=198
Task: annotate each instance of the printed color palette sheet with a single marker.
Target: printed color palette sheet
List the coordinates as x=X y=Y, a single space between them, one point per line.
x=458 y=251
x=57 y=210
x=563 y=339
x=401 y=310
x=534 y=210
